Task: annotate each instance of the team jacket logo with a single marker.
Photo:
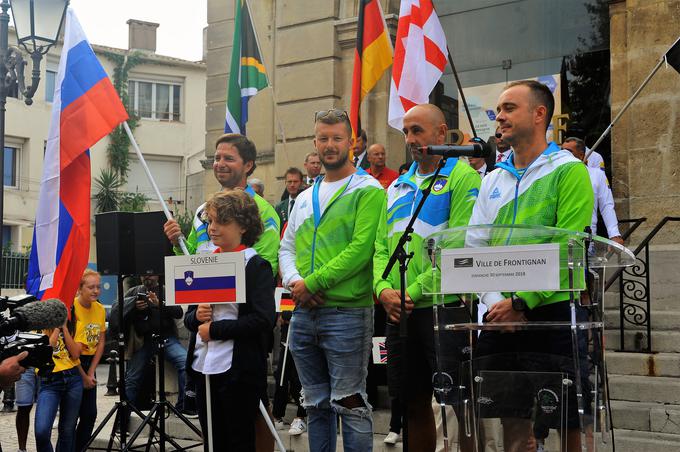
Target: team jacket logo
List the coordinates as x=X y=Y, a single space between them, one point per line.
x=189 y=277
x=495 y=194
x=439 y=185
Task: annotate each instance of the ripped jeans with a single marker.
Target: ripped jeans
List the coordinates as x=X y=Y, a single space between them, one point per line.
x=331 y=347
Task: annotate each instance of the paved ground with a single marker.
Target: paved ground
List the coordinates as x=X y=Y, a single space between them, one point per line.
x=8 y=433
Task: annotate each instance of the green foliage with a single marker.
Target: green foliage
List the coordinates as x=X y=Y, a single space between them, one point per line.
x=107 y=195
x=118 y=151
x=133 y=202
x=184 y=219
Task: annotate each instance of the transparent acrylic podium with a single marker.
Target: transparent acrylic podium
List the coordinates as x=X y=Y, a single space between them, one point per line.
x=515 y=382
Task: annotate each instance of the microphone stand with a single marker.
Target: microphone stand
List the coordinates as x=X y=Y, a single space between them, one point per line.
x=400 y=254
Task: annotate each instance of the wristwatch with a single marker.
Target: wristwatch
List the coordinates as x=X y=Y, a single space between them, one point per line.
x=519 y=304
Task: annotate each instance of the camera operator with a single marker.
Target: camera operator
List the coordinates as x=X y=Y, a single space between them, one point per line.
x=147 y=317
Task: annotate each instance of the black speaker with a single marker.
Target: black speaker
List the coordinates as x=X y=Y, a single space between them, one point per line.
x=115 y=255
x=131 y=243
x=150 y=243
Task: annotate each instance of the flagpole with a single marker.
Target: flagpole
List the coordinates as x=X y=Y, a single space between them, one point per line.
x=625 y=107
x=462 y=95
x=168 y=215
x=271 y=85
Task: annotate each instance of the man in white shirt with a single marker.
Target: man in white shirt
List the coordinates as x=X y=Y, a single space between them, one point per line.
x=604 y=201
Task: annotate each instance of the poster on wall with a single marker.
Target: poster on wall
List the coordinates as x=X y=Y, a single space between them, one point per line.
x=483 y=99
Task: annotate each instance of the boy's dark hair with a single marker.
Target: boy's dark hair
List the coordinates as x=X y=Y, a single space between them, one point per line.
x=246 y=148
x=236 y=205
x=541 y=96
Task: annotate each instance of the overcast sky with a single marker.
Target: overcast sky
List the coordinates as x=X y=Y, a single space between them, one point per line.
x=180 y=33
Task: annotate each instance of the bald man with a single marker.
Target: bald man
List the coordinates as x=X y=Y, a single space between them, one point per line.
x=449 y=205
x=376 y=157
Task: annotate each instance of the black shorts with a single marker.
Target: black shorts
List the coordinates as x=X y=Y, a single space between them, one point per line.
x=525 y=362
x=421 y=356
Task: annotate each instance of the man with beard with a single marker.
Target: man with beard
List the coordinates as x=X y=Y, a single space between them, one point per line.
x=539 y=184
x=233 y=162
x=325 y=261
x=449 y=205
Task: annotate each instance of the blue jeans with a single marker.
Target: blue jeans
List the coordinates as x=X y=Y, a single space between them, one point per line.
x=174 y=353
x=88 y=409
x=61 y=390
x=331 y=347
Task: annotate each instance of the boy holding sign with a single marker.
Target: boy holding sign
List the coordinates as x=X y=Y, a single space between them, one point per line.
x=228 y=339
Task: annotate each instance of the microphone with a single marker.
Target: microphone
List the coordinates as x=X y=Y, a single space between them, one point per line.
x=430 y=250
x=37 y=315
x=481 y=150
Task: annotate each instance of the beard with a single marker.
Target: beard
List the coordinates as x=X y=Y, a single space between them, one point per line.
x=342 y=160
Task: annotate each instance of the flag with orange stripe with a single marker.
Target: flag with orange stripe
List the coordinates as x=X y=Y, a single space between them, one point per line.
x=372 y=56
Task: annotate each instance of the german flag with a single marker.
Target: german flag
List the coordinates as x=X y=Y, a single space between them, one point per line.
x=373 y=55
x=247 y=76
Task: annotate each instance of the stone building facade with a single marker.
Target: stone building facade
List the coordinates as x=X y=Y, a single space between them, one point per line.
x=308 y=52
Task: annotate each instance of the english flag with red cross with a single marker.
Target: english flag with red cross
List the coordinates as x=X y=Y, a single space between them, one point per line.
x=420 y=56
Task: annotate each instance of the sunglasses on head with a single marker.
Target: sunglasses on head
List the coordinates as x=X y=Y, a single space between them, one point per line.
x=332 y=112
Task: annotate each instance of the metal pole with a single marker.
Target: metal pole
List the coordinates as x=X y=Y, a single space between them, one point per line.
x=4 y=38
x=625 y=107
x=168 y=215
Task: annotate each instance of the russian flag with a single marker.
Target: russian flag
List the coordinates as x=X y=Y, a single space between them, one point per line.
x=86 y=107
x=207 y=284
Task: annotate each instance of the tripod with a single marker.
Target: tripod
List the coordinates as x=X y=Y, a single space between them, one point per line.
x=123 y=407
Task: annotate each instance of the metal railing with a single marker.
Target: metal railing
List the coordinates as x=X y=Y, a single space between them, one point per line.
x=14 y=269
x=634 y=287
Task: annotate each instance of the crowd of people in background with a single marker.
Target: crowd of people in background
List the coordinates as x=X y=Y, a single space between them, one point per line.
x=327 y=241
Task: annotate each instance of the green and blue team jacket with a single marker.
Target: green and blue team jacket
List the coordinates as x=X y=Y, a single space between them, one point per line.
x=332 y=251
x=449 y=205
x=267 y=245
x=554 y=190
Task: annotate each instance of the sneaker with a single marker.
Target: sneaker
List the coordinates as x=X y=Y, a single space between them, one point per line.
x=297 y=427
x=392 y=438
x=189 y=414
x=280 y=424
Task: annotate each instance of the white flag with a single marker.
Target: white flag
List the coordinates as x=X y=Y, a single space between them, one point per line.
x=420 y=56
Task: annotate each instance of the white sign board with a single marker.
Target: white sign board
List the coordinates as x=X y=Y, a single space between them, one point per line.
x=205 y=278
x=501 y=269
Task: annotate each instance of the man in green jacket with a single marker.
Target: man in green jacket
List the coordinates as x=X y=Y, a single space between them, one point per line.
x=449 y=205
x=539 y=184
x=325 y=258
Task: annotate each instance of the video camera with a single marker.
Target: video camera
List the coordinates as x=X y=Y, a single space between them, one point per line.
x=26 y=314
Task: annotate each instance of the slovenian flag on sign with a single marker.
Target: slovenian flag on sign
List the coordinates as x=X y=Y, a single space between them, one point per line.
x=205 y=284
x=86 y=108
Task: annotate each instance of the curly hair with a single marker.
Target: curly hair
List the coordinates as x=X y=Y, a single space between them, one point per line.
x=236 y=205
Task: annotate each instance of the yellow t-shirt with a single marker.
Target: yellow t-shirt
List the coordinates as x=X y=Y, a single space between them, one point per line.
x=90 y=322
x=60 y=355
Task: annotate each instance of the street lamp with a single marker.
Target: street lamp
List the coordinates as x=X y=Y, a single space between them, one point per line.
x=36 y=35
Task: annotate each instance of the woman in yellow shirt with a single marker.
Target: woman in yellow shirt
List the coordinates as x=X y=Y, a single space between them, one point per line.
x=61 y=390
x=89 y=316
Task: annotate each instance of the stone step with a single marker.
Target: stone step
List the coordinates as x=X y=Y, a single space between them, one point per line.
x=661 y=299
x=645 y=364
x=637 y=441
x=644 y=389
x=646 y=416
x=661 y=320
x=662 y=341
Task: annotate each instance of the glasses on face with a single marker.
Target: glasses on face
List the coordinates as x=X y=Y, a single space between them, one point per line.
x=340 y=114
